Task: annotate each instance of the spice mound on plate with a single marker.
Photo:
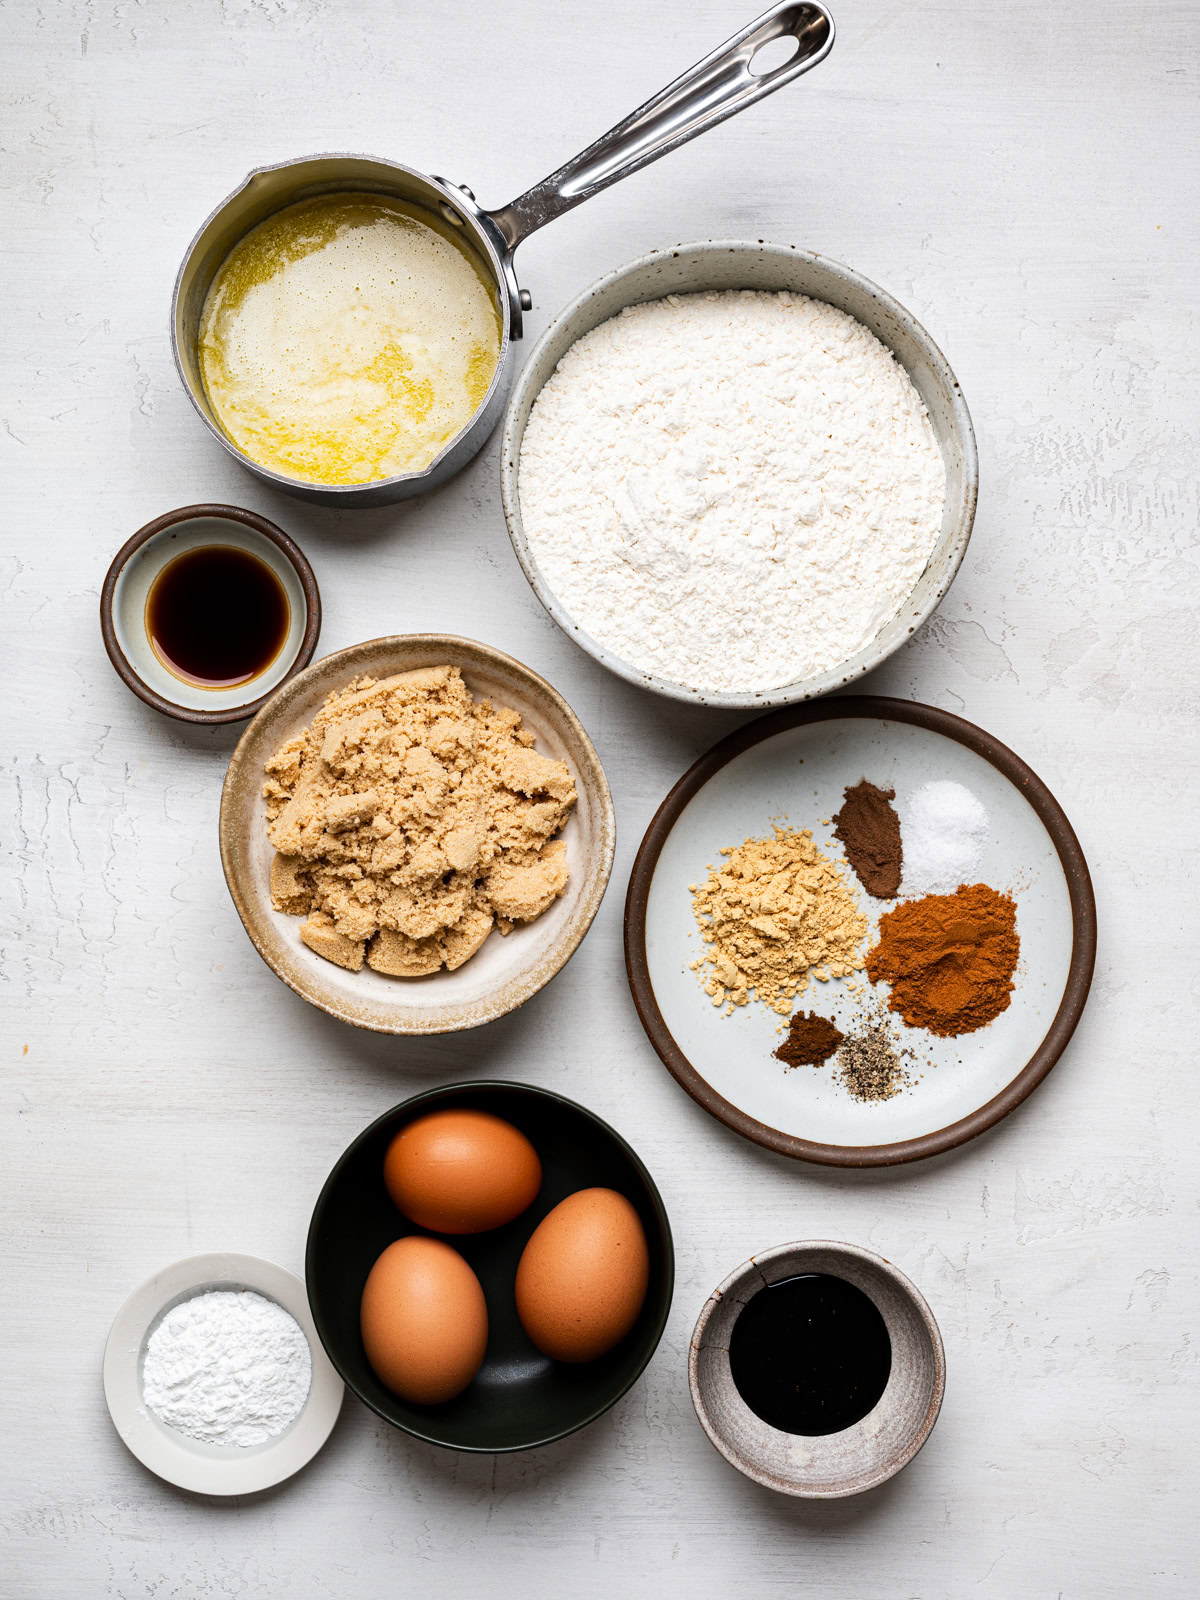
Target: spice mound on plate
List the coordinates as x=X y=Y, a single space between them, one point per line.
x=810 y=1042
x=869 y=830
x=868 y=1065
x=949 y=958
x=411 y=819
x=775 y=911
x=945 y=828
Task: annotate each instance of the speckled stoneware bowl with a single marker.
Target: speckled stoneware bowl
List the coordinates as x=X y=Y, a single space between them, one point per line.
x=507 y=970
x=739 y=264
x=832 y=1465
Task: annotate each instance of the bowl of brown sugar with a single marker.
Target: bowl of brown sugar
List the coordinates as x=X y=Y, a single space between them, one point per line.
x=416 y=833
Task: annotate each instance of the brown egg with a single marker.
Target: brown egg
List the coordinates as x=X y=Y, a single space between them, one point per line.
x=424 y=1321
x=461 y=1171
x=582 y=1278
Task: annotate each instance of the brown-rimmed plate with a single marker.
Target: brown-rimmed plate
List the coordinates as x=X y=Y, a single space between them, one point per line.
x=793 y=766
x=507 y=970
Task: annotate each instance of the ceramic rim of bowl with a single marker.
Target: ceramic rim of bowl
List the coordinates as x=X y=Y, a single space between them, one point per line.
x=292 y=553
x=200 y=1467
x=575 y=316
x=1079 y=890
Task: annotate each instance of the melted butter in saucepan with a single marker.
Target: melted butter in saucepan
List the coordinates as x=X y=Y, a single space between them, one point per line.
x=347 y=339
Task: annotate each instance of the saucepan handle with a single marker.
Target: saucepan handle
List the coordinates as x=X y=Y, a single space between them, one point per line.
x=715 y=88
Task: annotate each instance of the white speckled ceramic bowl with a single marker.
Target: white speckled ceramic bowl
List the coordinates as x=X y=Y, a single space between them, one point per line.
x=126 y=591
x=507 y=970
x=832 y=1465
x=736 y=264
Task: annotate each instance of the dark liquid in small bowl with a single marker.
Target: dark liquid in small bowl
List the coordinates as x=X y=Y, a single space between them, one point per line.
x=811 y=1354
x=217 y=616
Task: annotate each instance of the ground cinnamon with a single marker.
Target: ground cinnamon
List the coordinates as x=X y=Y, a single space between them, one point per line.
x=870 y=833
x=949 y=958
x=810 y=1042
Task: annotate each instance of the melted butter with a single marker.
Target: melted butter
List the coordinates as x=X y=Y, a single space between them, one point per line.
x=347 y=339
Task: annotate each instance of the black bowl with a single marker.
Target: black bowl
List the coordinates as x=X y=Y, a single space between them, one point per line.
x=520 y=1397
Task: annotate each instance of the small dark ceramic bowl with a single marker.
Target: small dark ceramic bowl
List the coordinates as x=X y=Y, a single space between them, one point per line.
x=131 y=576
x=520 y=1398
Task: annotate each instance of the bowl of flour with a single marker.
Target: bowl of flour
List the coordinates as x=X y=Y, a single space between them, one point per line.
x=738 y=474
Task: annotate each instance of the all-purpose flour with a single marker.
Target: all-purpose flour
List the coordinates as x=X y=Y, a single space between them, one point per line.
x=228 y=1366
x=731 y=490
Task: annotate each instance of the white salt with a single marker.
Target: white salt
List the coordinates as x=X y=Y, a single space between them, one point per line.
x=943 y=828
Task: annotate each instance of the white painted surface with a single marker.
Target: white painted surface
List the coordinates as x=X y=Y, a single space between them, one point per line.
x=1024 y=178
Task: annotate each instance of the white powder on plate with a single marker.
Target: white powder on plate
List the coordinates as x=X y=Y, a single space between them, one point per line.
x=228 y=1366
x=943 y=828
x=731 y=490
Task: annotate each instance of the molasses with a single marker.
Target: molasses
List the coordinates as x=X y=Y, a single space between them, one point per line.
x=217 y=616
x=811 y=1354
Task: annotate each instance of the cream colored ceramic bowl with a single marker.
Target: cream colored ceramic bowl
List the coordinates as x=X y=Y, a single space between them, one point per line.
x=507 y=970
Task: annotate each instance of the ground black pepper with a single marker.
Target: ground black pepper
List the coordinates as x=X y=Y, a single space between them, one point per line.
x=869 y=1066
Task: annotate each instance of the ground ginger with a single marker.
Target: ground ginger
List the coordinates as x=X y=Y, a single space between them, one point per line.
x=773 y=913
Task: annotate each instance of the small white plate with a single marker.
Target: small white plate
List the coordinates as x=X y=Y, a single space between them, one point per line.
x=723 y=264
x=793 y=766
x=192 y=1463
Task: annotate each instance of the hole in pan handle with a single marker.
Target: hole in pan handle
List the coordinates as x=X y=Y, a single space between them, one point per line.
x=715 y=88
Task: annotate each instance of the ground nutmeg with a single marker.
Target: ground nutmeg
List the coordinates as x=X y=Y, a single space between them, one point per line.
x=949 y=958
x=810 y=1042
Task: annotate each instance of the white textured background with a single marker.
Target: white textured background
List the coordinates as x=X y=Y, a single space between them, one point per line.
x=1024 y=177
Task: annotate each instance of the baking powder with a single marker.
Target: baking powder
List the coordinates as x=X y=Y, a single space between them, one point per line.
x=731 y=490
x=228 y=1366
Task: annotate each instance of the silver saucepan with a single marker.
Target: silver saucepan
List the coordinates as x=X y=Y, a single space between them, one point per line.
x=715 y=88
